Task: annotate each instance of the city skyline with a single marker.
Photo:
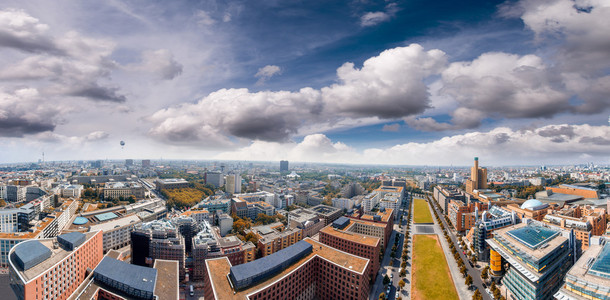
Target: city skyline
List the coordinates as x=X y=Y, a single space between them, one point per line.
x=515 y=83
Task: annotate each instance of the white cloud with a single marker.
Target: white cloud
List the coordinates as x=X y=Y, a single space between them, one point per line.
x=22 y=112
x=373 y=18
x=21 y=31
x=267 y=72
x=70 y=65
x=498 y=146
x=389 y=85
x=578 y=31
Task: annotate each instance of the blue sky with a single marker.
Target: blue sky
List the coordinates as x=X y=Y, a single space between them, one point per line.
x=390 y=82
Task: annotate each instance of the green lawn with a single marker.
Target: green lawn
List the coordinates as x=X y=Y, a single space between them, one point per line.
x=422 y=213
x=431 y=277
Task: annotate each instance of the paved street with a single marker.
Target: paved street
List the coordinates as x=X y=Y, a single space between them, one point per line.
x=389 y=265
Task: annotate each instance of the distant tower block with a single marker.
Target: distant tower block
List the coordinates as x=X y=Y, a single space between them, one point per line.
x=283 y=166
x=478 y=177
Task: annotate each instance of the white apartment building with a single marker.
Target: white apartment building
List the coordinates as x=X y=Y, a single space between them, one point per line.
x=116 y=233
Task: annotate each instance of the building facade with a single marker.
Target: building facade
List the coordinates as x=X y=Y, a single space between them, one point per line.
x=478 y=177
x=589 y=277
x=41 y=270
x=357 y=244
x=306 y=270
x=538 y=258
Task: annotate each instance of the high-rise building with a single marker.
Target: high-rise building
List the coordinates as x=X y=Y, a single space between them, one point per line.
x=146 y=163
x=128 y=162
x=489 y=221
x=214 y=178
x=589 y=278
x=478 y=177
x=538 y=258
x=163 y=240
x=233 y=184
x=283 y=166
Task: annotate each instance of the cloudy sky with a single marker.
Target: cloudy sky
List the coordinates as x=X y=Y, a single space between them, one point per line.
x=389 y=82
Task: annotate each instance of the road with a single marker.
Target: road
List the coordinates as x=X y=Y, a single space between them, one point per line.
x=391 y=265
x=473 y=272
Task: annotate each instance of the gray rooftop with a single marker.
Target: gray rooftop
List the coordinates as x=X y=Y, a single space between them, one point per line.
x=71 y=240
x=135 y=277
x=30 y=254
x=247 y=274
x=341 y=223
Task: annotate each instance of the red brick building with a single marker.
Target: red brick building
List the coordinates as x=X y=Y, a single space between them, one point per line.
x=54 y=268
x=353 y=243
x=320 y=272
x=383 y=218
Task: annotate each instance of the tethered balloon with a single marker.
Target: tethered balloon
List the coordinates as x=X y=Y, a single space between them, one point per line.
x=122 y=144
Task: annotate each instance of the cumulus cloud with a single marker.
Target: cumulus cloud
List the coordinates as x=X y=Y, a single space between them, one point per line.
x=20 y=31
x=159 y=62
x=69 y=65
x=582 y=24
x=22 y=112
x=501 y=85
x=578 y=32
x=498 y=146
x=389 y=85
x=266 y=72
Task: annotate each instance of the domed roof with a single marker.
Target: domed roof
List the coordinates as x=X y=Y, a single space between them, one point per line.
x=531 y=204
x=80 y=221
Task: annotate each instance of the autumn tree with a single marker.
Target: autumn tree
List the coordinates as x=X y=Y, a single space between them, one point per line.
x=468 y=280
